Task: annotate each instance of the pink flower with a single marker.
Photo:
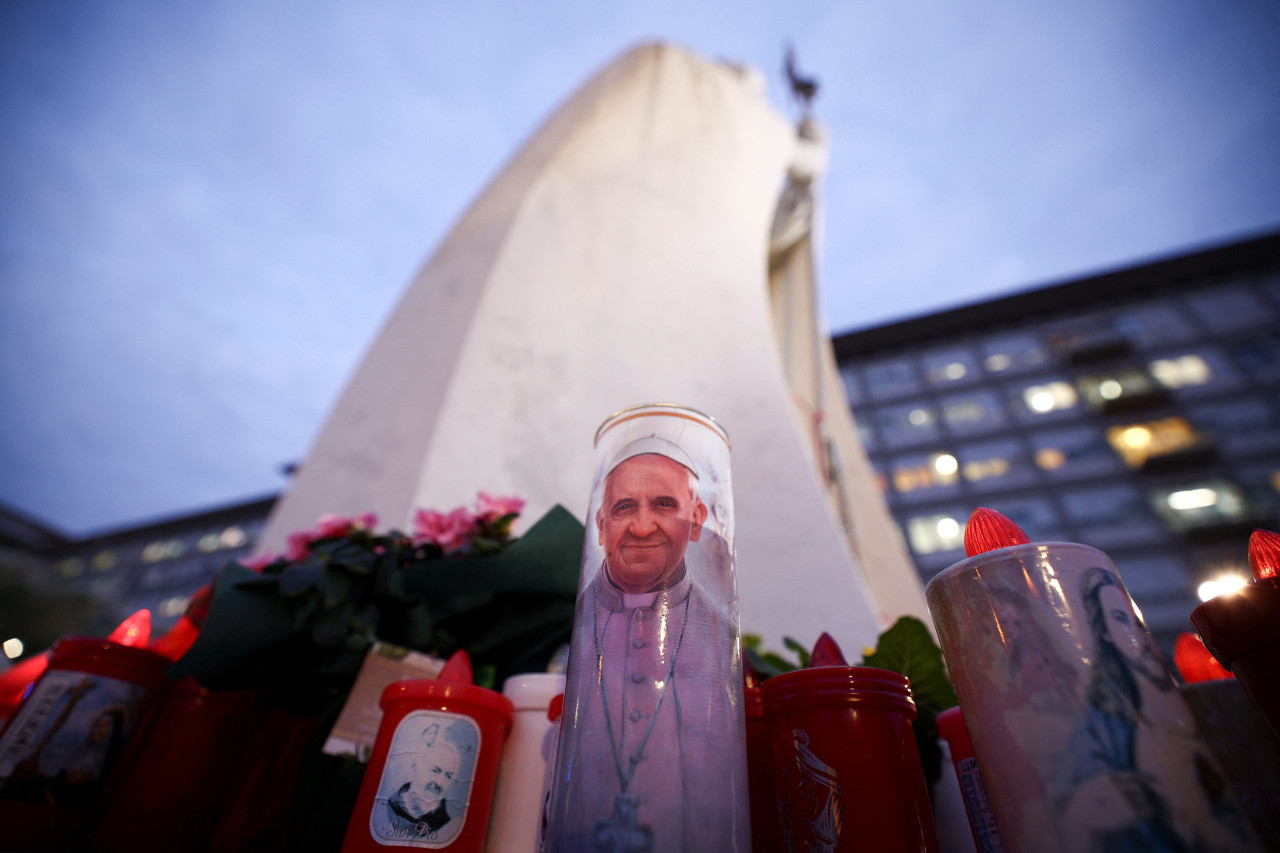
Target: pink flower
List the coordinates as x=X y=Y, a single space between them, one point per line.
x=490 y=508
x=331 y=526
x=450 y=532
x=298 y=546
x=260 y=562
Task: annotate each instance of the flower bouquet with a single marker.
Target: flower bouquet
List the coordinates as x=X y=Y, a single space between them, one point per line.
x=460 y=580
x=295 y=629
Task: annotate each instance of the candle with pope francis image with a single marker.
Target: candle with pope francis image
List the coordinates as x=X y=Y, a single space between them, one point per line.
x=652 y=751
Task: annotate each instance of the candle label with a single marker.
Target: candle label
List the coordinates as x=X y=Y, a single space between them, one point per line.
x=425 y=789
x=981 y=820
x=66 y=737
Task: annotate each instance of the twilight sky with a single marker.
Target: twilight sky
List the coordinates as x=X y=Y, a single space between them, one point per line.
x=207 y=210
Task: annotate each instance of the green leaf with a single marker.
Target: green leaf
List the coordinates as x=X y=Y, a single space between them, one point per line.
x=908 y=648
x=334 y=586
x=751 y=641
x=301 y=578
x=332 y=626
x=801 y=651
x=767 y=664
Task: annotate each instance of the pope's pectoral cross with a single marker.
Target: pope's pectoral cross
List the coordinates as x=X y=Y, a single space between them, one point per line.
x=623 y=833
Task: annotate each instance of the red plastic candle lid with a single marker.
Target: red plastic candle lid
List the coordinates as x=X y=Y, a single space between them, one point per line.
x=434 y=693
x=952 y=728
x=988 y=530
x=97 y=655
x=839 y=686
x=1264 y=555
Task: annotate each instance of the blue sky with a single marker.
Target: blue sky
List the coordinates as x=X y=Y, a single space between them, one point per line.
x=208 y=210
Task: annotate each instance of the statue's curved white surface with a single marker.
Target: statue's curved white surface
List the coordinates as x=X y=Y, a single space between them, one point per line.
x=620 y=258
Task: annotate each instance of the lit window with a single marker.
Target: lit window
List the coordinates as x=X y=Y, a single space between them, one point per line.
x=1050 y=397
x=1181 y=372
x=173 y=606
x=914 y=473
x=105 y=560
x=930 y=534
x=1136 y=443
x=1013 y=353
x=1100 y=390
x=905 y=424
x=233 y=537
x=973 y=412
x=166 y=549
x=72 y=567
x=998 y=463
x=1074 y=452
x=998 y=362
x=13 y=648
x=208 y=543
x=1050 y=458
x=947 y=366
x=1200 y=504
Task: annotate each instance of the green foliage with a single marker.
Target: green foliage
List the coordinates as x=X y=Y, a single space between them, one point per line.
x=906 y=648
x=509 y=603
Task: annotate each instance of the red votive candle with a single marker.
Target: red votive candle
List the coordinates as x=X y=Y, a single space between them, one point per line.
x=60 y=747
x=430 y=780
x=846 y=767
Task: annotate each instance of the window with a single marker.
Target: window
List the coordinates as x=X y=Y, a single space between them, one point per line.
x=1084 y=339
x=1239 y=426
x=105 y=560
x=906 y=424
x=949 y=366
x=1154 y=574
x=1260 y=357
x=1110 y=516
x=1055 y=396
x=1181 y=371
x=71 y=567
x=922 y=472
x=936 y=532
x=1077 y=452
x=852 y=387
x=1230 y=308
x=1138 y=442
x=995 y=464
x=973 y=412
x=1199 y=504
x=1261 y=486
x=890 y=378
x=1108 y=390
x=1154 y=323
x=1036 y=516
x=1013 y=353
x=166 y=549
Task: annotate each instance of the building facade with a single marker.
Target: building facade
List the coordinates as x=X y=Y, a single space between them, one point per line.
x=1136 y=411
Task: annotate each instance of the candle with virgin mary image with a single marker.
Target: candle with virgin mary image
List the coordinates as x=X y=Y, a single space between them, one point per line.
x=1084 y=742
x=652 y=752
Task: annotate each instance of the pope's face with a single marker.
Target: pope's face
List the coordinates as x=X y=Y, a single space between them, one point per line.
x=649 y=516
